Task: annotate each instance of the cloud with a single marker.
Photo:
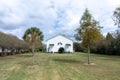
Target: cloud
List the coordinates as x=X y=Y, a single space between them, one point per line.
x=53 y=16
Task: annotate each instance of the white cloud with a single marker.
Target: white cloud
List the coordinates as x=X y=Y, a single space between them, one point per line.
x=114 y=3
x=50 y=31
x=53 y=16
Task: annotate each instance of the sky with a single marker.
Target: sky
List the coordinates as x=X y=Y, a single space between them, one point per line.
x=54 y=16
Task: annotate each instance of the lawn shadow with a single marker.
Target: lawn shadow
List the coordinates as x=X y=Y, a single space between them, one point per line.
x=69 y=61
x=24 y=55
x=7 y=58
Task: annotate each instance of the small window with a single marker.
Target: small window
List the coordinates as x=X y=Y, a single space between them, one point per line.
x=51 y=44
x=59 y=43
x=68 y=44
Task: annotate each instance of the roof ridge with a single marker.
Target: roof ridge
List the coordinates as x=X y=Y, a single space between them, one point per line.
x=61 y=35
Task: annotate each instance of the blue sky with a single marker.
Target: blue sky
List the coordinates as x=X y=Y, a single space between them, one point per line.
x=53 y=16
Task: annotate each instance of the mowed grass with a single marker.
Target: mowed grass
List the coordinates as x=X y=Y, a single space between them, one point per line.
x=59 y=67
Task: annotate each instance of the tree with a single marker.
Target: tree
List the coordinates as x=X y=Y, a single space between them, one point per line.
x=117 y=42
x=89 y=31
x=78 y=47
x=110 y=45
x=116 y=16
x=107 y=44
x=32 y=36
x=10 y=44
x=109 y=36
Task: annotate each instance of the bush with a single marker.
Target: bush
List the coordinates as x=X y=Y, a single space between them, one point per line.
x=109 y=46
x=78 y=47
x=61 y=50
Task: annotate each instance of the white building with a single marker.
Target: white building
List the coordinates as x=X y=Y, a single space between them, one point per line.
x=53 y=44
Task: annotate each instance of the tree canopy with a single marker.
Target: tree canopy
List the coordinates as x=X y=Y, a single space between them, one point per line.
x=33 y=35
x=11 y=43
x=116 y=16
x=89 y=30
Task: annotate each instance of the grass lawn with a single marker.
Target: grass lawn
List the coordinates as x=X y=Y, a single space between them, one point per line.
x=59 y=67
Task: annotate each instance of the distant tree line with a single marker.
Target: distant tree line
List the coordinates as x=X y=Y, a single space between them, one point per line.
x=10 y=44
x=109 y=45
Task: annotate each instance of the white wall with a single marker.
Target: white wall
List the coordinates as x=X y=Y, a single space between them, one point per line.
x=58 y=39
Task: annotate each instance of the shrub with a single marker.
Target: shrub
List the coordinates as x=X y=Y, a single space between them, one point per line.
x=78 y=47
x=61 y=50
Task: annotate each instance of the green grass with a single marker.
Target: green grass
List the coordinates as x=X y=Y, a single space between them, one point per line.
x=59 y=67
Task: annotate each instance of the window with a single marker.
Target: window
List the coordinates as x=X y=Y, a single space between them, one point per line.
x=51 y=44
x=68 y=44
x=59 y=43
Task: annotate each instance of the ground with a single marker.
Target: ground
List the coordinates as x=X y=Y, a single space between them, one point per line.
x=59 y=67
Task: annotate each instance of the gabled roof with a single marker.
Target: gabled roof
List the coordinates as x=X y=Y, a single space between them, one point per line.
x=59 y=35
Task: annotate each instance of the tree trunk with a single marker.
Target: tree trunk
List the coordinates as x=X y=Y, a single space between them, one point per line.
x=5 y=53
x=33 y=53
x=14 y=51
x=88 y=54
x=2 y=52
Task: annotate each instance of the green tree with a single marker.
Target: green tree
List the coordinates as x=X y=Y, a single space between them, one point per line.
x=109 y=36
x=11 y=43
x=116 y=16
x=89 y=31
x=78 y=47
x=32 y=36
x=117 y=42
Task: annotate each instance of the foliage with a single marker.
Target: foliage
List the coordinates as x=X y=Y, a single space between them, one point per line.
x=89 y=31
x=116 y=16
x=78 y=47
x=109 y=37
x=61 y=50
x=11 y=43
x=91 y=37
x=109 y=46
x=115 y=43
x=34 y=36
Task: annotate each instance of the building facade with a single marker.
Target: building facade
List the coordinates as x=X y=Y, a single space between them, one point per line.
x=53 y=44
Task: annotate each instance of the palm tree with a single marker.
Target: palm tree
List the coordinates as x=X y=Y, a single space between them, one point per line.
x=32 y=36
